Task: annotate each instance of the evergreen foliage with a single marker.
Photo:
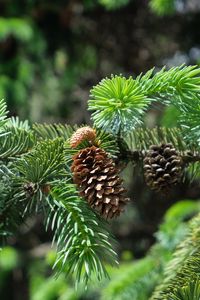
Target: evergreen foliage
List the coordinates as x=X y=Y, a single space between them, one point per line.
x=183 y=268
x=119 y=103
x=138 y=279
x=79 y=233
x=143 y=138
x=36 y=177
x=190 y=291
x=2 y=114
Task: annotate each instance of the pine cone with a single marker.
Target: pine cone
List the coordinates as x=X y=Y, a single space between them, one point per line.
x=30 y=189
x=162 y=167
x=98 y=180
x=82 y=134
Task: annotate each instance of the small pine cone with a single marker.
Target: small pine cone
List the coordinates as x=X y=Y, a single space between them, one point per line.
x=30 y=189
x=98 y=181
x=162 y=167
x=82 y=134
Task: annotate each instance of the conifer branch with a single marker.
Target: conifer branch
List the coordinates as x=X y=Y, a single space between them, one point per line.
x=189 y=291
x=184 y=267
x=39 y=158
x=53 y=131
x=137 y=279
x=44 y=163
x=3 y=116
x=139 y=141
x=118 y=104
x=15 y=142
x=138 y=155
x=82 y=237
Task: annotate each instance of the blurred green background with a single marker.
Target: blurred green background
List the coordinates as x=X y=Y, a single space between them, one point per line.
x=51 y=54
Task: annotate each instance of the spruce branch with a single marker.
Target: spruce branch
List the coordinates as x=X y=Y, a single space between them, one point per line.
x=82 y=237
x=15 y=142
x=135 y=282
x=35 y=169
x=185 y=265
x=182 y=90
x=194 y=171
x=37 y=165
x=17 y=138
x=137 y=279
x=182 y=80
x=11 y=210
x=19 y=124
x=139 y=141
x=80 y=252
x=118 y=104
x=44 y=163
x=138 y=155
x=3 y=116
x=189 y=118
x=53 y=131
x=107 y=142
x=191 y=290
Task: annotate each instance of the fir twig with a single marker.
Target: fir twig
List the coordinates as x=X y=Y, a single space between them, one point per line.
x=82 y=237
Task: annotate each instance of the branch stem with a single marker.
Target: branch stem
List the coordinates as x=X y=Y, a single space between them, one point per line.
x=138 y=155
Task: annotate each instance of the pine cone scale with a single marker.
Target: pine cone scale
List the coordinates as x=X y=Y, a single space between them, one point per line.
x=102 y=177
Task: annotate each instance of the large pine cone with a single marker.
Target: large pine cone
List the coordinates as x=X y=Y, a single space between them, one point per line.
x=162 y=167
x=98 y=180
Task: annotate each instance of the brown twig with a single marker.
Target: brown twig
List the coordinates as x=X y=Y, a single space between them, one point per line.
x=138 y=155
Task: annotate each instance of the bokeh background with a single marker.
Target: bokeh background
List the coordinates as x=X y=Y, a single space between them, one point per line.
x=51 y=54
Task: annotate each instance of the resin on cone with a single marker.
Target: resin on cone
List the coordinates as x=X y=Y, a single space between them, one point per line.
x=98 y=181
x=162 y=167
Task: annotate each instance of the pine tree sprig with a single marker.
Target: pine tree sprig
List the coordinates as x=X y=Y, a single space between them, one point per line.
x=191 y=290
x=137 y=279
x=193 y=171
x=189 y=119
x=53 y=131
x=15 y=142
x=11 y=211
x=117 y=103
x=182 y=80
x=82 y=237
x=19 y=124
x=36 y=174
x=107 y=142
x=185 y=265
x=137 y=282
x=3 y=115
x=143 y=138
x=44 y=163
